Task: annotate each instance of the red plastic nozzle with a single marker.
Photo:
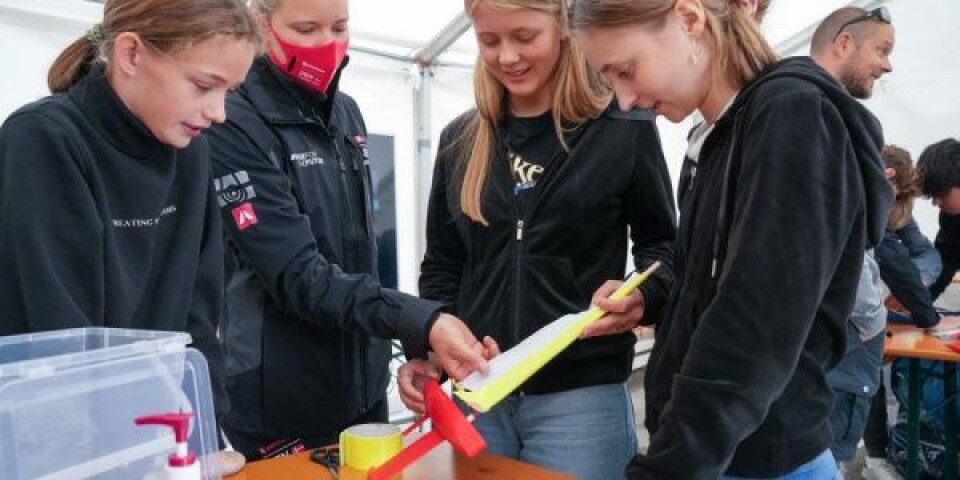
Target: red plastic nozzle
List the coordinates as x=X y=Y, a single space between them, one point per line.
x=180 y=423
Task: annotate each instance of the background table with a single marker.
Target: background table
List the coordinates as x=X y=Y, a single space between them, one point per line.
x=912 y=343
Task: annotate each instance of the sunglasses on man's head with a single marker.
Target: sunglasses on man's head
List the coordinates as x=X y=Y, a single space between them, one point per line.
x=880 y=14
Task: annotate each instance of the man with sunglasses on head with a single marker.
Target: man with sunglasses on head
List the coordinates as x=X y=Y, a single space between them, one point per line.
x=853 y=45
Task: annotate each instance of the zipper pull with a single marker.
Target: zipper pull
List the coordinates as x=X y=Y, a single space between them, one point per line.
x=333 y=131
x=336 y=151
x=356 y=163
x=519 y=230
x=693 y=176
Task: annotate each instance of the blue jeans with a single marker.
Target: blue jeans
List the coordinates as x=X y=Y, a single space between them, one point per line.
x=824 y=467
x=588 y=432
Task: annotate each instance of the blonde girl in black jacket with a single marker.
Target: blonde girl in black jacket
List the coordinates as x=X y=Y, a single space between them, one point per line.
x=536 y=196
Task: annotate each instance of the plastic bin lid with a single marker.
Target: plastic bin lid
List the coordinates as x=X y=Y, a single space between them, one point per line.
x=40 y=354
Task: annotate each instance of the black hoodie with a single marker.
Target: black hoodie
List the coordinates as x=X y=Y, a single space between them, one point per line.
x=535 y=264
x=789 y=193
x=102 y=225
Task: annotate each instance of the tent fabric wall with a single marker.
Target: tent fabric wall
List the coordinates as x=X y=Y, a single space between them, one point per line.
x=919 y=103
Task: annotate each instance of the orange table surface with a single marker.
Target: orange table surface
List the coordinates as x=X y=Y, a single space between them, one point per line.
x=912 y=342
x=441 y=463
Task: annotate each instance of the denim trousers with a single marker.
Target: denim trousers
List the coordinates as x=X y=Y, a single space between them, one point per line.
x=824 y=467
x=587 y=432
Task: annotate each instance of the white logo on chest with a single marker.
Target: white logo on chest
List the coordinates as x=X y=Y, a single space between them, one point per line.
x=306 y=159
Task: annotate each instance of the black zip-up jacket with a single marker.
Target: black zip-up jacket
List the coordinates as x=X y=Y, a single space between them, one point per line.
x=948 y=244
x=513 y=277
x=303 y=302
x=903 y=279
x=788 y=195
x=103 y=225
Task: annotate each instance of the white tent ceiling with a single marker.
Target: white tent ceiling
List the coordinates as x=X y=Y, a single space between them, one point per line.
x=403 y=29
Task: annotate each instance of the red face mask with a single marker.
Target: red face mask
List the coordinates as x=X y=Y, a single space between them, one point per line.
x=313 y=67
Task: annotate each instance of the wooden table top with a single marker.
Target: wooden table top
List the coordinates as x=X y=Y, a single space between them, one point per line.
x=912 y=342
x=441 y=463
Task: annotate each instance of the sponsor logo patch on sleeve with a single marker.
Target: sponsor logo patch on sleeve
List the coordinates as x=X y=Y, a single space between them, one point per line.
x=244 y=216
x=234 y=188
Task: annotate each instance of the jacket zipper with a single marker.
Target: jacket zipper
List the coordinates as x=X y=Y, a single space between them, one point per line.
x=361 y=169
x=345 y=182
x=517 y=261
x=365 y=192
x=724 y=193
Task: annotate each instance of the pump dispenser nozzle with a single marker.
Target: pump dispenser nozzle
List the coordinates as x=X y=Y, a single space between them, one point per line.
x=182 y=464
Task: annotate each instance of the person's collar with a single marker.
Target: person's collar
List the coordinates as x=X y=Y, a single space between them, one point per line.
x=107 y=113
x=702 y=130
x=299 y=100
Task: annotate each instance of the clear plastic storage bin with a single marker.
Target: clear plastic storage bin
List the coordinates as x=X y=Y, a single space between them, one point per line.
x=68 y=400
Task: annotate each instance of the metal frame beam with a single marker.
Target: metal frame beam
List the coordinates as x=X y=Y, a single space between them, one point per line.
x=442 y=40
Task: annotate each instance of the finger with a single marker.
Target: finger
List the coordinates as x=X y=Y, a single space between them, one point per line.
x=433 y=371
x=463 y=362
x=479 y=348
x=456 y=370
x=609 y=325
x=414 y=406
x=417 y=367
x=624 y=304
x=600 y=327
x=492 y=347
x=606 y=290
x=411 y=396
x=616 y=306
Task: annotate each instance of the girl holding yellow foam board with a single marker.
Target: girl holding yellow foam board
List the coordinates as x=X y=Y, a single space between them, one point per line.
x=534 y=195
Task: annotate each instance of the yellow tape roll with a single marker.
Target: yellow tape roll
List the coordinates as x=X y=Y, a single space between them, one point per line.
x=369 y=445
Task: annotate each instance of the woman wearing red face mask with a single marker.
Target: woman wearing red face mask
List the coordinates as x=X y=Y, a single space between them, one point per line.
x=306 y=320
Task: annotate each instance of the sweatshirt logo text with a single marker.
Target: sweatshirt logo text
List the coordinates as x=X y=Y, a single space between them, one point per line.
x=144 y=222
x=306 y=159
x=525 y=173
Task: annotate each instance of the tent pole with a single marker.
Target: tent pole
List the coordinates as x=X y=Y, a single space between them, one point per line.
x=423 y=154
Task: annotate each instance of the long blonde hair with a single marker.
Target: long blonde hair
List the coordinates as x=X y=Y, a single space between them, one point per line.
x=742 y=51
x=165 y=25
x=578 y=96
